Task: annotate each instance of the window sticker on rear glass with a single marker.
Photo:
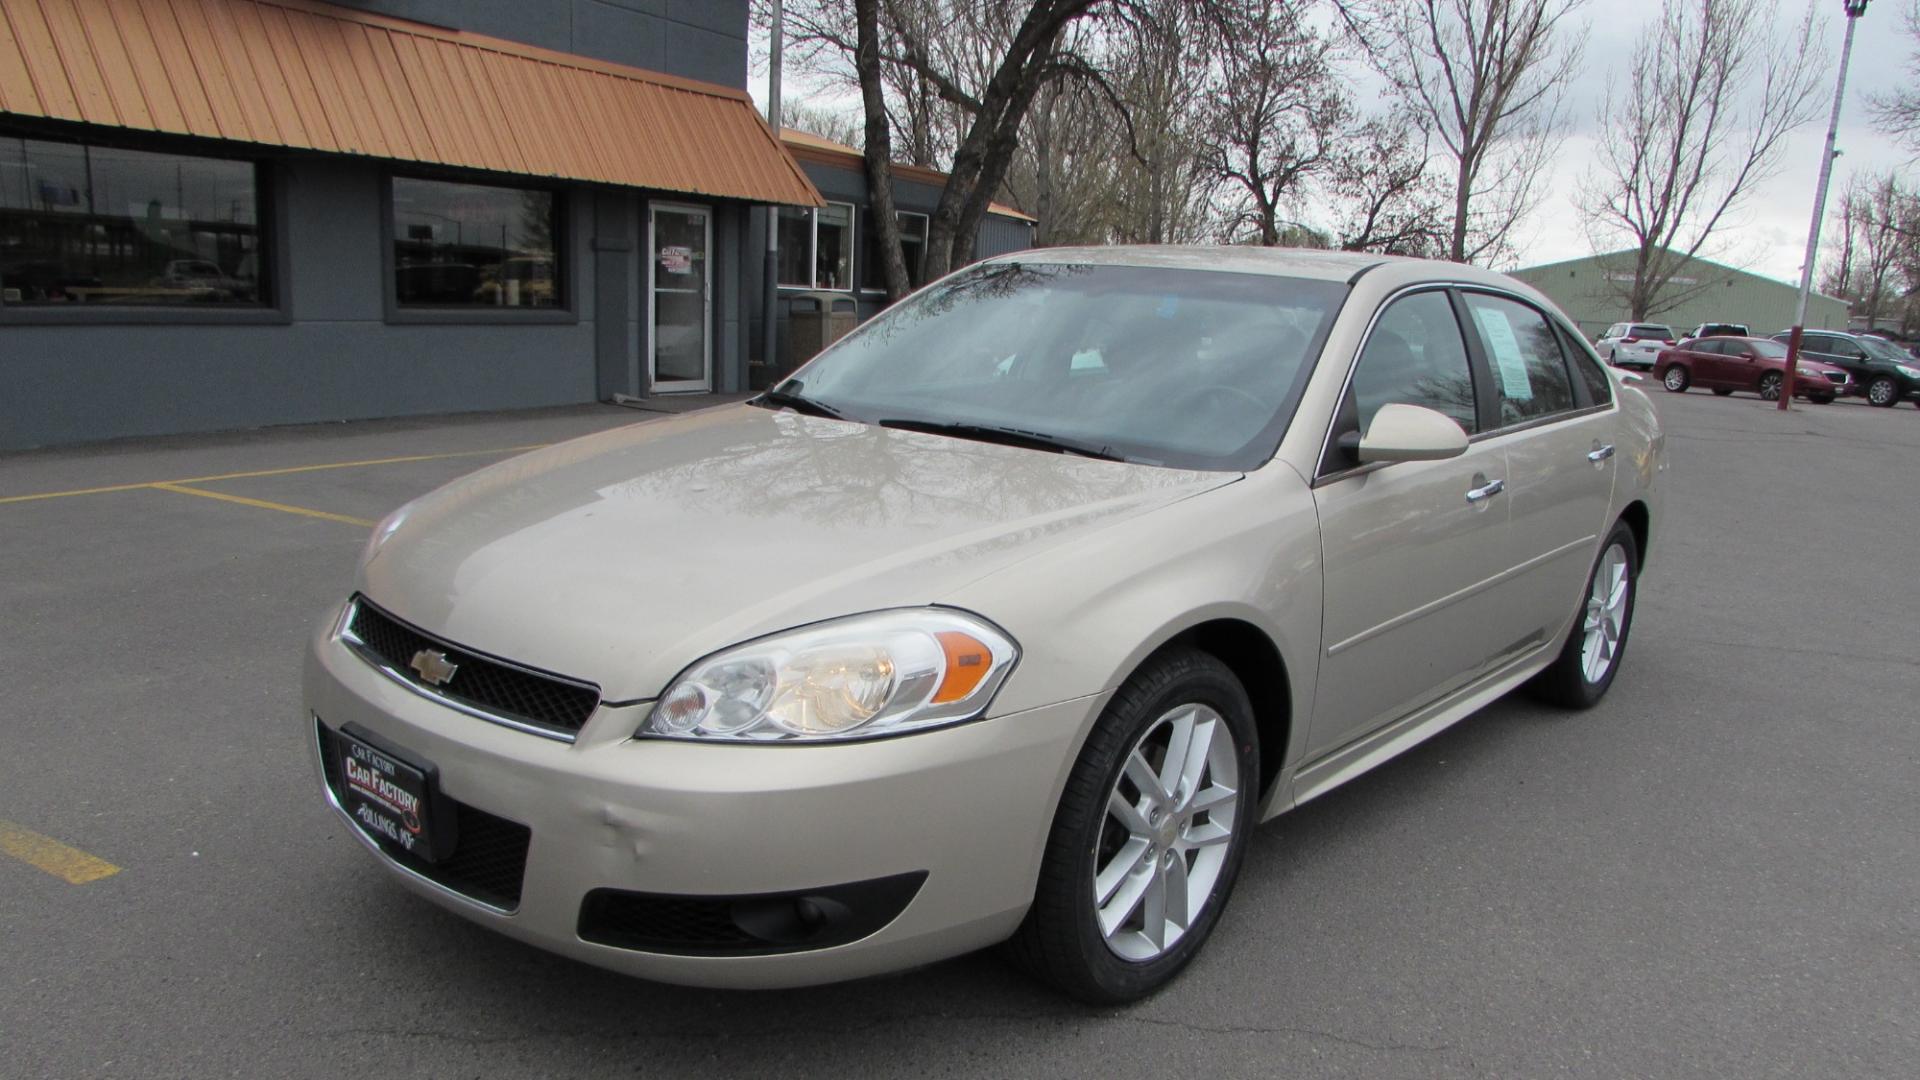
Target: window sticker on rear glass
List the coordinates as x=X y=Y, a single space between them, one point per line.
x=1498 y=333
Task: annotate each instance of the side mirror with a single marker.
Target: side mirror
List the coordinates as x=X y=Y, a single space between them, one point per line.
x=1411 y=433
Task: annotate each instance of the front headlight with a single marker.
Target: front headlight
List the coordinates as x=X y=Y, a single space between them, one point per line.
x=852 y=678
x=1809 y=373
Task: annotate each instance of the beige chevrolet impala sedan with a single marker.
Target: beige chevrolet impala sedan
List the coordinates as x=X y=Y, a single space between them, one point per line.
x=1004 y=620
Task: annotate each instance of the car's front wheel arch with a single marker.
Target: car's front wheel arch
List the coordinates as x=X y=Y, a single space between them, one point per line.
x=1255 y=660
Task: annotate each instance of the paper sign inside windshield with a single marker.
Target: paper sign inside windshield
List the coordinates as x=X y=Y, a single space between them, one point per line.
x=1498 y=334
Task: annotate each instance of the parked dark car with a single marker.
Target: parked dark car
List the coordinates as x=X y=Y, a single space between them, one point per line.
x=1882 y=371
x=1758 y=365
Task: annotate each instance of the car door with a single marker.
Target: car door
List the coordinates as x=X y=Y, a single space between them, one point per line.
x=1706 y=361
x=1408 y=548
x=1558 y=425
x=1836 y=351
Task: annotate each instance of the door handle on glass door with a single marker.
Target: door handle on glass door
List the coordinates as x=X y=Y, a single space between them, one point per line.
x=1600 y=453
x=1486 y=491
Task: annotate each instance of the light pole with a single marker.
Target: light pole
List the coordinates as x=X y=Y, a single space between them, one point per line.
x=1855 y=9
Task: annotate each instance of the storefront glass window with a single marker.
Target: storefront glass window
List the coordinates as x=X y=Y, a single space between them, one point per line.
x=86 y=224
x=796 y=247
x=816 y=247
x=475 y=245
x=913 y=248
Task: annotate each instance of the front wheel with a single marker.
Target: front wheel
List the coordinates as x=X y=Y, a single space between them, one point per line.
x=1677 y=379
x=1149 y=834
x=1579 y=677
x=1770 y=386
x=1883 y=393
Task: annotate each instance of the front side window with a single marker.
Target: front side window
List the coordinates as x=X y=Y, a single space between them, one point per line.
x=87 y=224
x=475 y=245
x=1188 y=368
x=1528 y=370
x=1416 y=356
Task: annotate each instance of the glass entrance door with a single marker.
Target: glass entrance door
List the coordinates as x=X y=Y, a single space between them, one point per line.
x=680 y=276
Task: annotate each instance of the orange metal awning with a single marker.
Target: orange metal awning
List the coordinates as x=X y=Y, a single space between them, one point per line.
x=316 y=77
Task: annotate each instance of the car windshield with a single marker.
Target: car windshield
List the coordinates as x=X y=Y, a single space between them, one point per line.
x=1187 y=368
x=1884 y=350
x=1771 y=349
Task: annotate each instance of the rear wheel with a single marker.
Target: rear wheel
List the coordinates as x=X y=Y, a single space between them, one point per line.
x=1677 y=379
x=1882 y=392
x=1770 y=386
x=1149 y=835
x=1579 y=677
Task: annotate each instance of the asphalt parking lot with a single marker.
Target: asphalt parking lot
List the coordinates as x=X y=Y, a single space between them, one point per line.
x=1716 y=872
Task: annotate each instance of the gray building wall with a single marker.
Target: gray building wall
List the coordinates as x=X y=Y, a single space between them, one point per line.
x=1712 y=293
x=695 y=39
x=332 y=350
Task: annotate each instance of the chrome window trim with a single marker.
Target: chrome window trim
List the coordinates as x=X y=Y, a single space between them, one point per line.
x=374 y=846
x=345 y=636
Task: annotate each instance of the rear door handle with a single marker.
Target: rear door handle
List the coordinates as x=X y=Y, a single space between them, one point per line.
x=1486 y=491
x=1601 y=453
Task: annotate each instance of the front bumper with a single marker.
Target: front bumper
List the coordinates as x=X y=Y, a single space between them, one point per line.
x=969 y=807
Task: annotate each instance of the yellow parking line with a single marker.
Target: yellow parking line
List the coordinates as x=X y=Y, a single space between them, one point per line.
x=71 y=865
x=269 y=472
x=263 y=504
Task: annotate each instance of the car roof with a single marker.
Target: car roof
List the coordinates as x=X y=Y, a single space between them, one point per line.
x=1278 y=262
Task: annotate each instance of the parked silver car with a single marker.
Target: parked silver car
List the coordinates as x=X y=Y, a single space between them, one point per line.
x=1005 y=619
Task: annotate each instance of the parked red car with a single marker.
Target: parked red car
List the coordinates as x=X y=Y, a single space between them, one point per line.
x=1759 y=365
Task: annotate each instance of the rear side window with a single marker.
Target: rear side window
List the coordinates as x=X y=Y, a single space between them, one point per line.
x=1524 y=353
x=1616 y=330
x=1708 y=345
x=1416 y=356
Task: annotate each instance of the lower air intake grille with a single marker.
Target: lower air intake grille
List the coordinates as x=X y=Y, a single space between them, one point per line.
x=488 y=864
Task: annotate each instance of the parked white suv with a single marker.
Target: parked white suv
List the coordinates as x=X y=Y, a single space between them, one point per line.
x=1634 y=345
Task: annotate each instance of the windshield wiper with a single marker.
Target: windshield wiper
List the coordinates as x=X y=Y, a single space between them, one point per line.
x=797 y=402
x=1005 y=436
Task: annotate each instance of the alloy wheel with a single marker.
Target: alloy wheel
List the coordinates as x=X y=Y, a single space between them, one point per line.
x=1676 y=379
x=1163 y=843
x=1770 y=387
x=1605 y=621
x=1881 y=392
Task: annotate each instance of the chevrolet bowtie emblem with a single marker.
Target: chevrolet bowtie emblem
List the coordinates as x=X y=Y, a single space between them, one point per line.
x=433 y=666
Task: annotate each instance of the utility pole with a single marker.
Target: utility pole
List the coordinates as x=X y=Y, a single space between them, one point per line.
x=770 y=300
x=1855 y=9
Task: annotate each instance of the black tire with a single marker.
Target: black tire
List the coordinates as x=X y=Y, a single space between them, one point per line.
x=1060 y=941
x=1883 y=392
x=1770 y=384
x=1677 y=379
x=1564 y=682
x=1723 y=393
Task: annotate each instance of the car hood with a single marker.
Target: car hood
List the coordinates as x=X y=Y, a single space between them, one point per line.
x=622 y=557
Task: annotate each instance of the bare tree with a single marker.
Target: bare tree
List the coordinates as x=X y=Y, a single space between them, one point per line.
x=1277 y=115
x=828 y=123
x=1487 y=77
x=1708 y=102
x=1898 y=112
x=1384 y=194
x=1879 y=242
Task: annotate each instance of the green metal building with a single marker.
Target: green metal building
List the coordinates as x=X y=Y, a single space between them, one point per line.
x=1591 y=291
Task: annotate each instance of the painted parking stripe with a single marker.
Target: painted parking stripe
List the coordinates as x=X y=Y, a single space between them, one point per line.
x=288 y=471
x=263 y=504
x=69 y=864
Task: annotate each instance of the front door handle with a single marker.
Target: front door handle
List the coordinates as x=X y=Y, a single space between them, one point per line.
x=1601 y=453
x=1486 y=491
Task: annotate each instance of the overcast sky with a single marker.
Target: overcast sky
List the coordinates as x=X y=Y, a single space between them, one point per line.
x=1769 y=233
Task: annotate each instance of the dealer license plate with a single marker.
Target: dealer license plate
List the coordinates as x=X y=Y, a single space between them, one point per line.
x=388 y=795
